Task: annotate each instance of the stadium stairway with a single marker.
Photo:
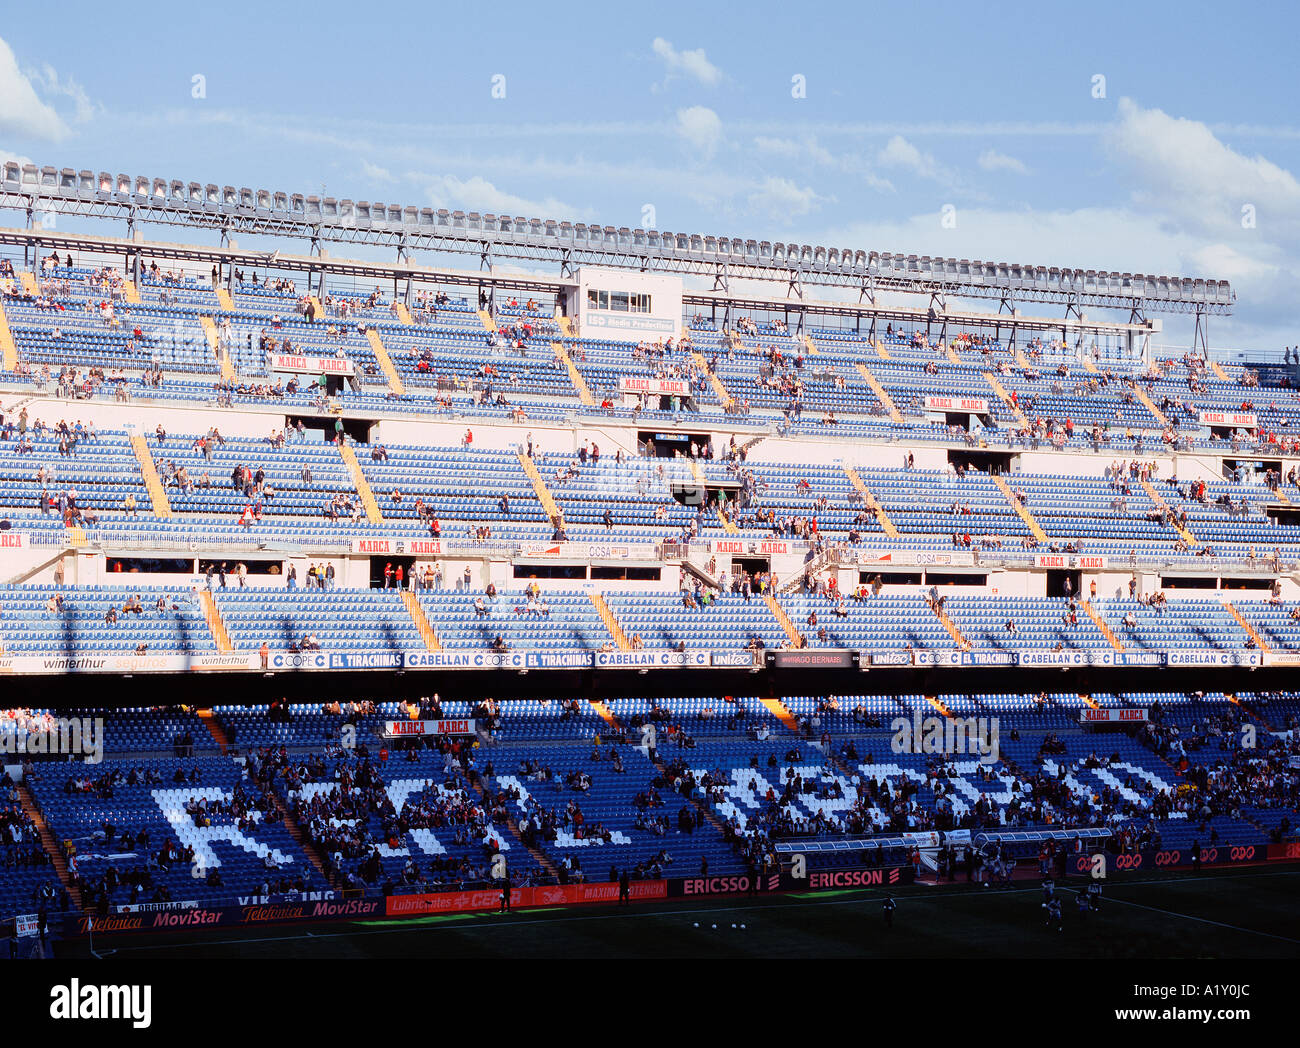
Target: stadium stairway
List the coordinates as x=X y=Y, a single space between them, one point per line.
x=1021 y=509
x=385 y=362
x=485 y=318
x=881 y=393
x=951 y=353
x=1162 y=505
x=476 y=784
x=714 y=381
x=698 y=473
x=1106 y=631
x=1253 y=713
x=575 y=376
x=604 y=712
x=811 y=346
x=782 y=618
x=215 y=729
x=362 y=485
x=869 y=499
x=1088 y=365
x=566 y=326
x=31 y=285
x=933 y=700
x=540 y=489
x=1005 y=397
x=1145 y=399
x=781 y=712
x=318 y=310
x=1020 y=358
x=705 y=809
x=610 y=620
x=1219 y=373
x=427 y=632
x=162 y=507
x=53 y=847
x=402 y=313
x=1089 y=701
x=1241 y=621
x=215 y=622
x=214 y=343
x=8 y=349
x=958 y=637
x=880 y=349
x=225 y=301
x=130 y=292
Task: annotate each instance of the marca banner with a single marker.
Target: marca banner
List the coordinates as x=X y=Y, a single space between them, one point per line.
x=447 y=726
x=971 y=405
x=521 y=898
x=309 y=365
x=741 y=547
x=1069 y=560
x=851 y=877
x=1235 y=419
x=1112 y=716
x=1213 y=658
x=665 y=387
x=399 y=547
x=14 y=540
x=632 y=660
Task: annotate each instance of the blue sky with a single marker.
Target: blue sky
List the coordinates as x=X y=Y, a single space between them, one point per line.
x=689 y=109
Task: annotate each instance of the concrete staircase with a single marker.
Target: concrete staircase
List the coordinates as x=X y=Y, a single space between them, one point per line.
x=215 y=622
x=52 y=845
x=8 y=348
x=869 y=500
x=380 y=351
x=882 y=395
x=214 y=344
x=402 y=313
x=1145 y=399
x=575 y=376
x=1102 y=625
x=362 y=485
x=1250 y=630
x=958 y=638
x=1022 y=511
x=1162 y=505
x=714 y=381
x=610 y=620
x=485 y=318
x=779 y=613
x=540 y=489
x=421 y=620
x=225 y=301
x=130 y=292
x=996 y=385
x=162 y=507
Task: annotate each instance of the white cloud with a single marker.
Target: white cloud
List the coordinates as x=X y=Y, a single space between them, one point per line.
x=376 y=173
x=1197 y=183
x=478 y=194
x=900 y=153
x=21 y=110
x=782 y=199
x=692 y=64
x=700 y=127
x=992 y=160
x=49 y=81
x=806 y=149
